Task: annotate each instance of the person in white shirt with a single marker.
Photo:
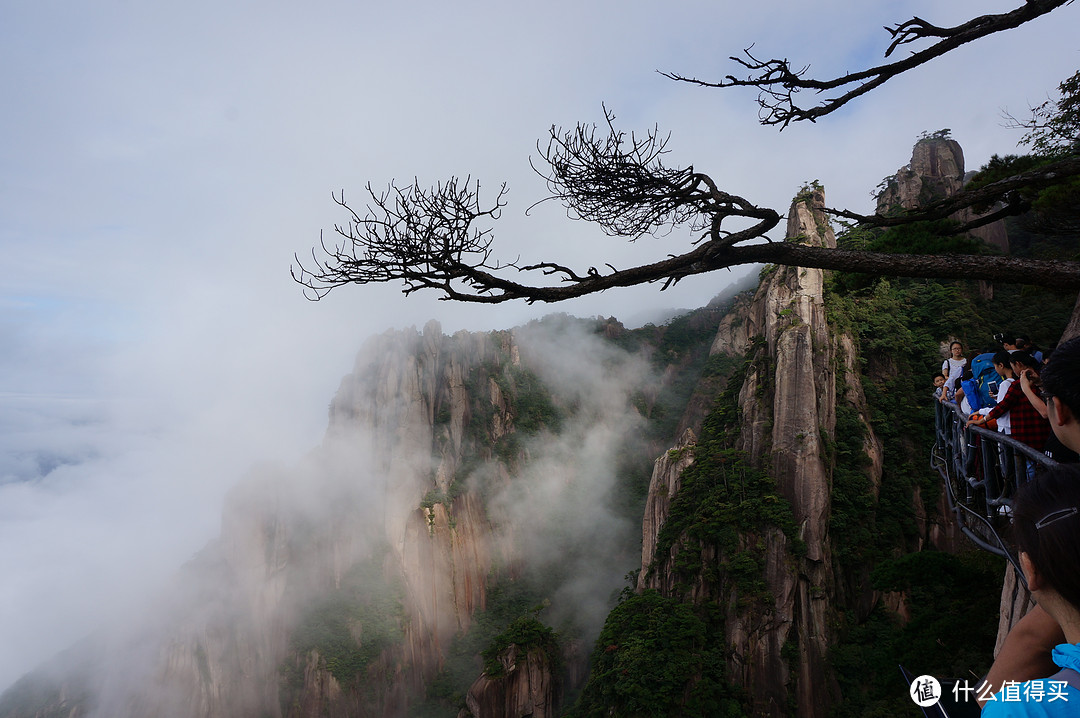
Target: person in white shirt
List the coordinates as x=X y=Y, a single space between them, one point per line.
x=953 y=367
x=1003 y=367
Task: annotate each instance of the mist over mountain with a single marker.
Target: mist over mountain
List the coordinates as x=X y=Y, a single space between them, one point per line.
x=452 y=467
x=727 y=512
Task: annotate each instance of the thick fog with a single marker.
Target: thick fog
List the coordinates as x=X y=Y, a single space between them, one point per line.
x=163 y=164
x=562 y=509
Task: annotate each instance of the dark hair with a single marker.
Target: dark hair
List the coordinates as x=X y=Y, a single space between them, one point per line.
x=1061 y=375
x=1046 y=526
x=1024 y=358
x=1002 y=357
x=939 y=374
x=954 y=343
x=967 y=375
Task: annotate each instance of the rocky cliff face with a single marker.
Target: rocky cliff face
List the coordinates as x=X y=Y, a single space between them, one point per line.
x=803 y=409
x=371 y=537
x=524 y=689
x=787 y=409
x=936 y=171
x=414 y=519
x=663 y=486
x=343 y=586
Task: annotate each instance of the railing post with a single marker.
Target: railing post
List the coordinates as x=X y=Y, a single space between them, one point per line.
x=989 y=465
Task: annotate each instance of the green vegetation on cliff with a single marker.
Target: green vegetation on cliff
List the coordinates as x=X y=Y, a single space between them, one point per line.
x=659 y=656
x=678 y=351
x=666 y=654
x=347 y=628
x=527 y=633
x=726 y=504
x=896 y=599
x=880 y=533
x=938 y=591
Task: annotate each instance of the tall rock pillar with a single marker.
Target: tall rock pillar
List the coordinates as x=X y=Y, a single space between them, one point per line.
x=785 y=416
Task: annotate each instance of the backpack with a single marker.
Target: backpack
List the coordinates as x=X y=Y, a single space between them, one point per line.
x=986 y=379
x=971 y=393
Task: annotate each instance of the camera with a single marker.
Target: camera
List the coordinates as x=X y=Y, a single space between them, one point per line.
x=999 y=338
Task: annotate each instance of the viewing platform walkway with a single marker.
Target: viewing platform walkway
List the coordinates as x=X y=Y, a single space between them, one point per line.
x=981 y=470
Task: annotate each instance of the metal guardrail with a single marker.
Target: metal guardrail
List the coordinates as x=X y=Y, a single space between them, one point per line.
x=981 y=469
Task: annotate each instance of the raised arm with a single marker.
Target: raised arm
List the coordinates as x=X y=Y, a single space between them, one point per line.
x=1028 y=388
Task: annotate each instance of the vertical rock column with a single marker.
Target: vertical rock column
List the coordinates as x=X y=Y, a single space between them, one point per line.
x=804 y=380
x=799 y=398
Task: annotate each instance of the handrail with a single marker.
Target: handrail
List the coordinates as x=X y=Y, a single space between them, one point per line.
x=981 y=470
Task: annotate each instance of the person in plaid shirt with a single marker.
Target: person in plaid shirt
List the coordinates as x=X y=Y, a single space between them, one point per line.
x=1026 y=424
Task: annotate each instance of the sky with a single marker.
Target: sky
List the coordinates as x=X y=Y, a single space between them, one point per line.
x=162 y=164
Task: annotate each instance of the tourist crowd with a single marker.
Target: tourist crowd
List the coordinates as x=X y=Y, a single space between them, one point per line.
x=1033 y=397
x=1002 y=390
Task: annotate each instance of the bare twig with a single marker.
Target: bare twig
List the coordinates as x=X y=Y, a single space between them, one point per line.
x=779 y=83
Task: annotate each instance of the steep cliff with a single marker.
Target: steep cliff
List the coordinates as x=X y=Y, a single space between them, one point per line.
x=802 y=353
x=468 y=485
x=340 y=584
x=523 y=686
x=780 y=415
x=464 y=481
x=429 y=447
x=783 y=527
x=936 y=171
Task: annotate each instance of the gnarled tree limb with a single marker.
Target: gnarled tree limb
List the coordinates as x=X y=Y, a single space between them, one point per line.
x=427 y=238
x=431 y=239
x=778 y=82
x=1007 y=190
x=440 y=238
